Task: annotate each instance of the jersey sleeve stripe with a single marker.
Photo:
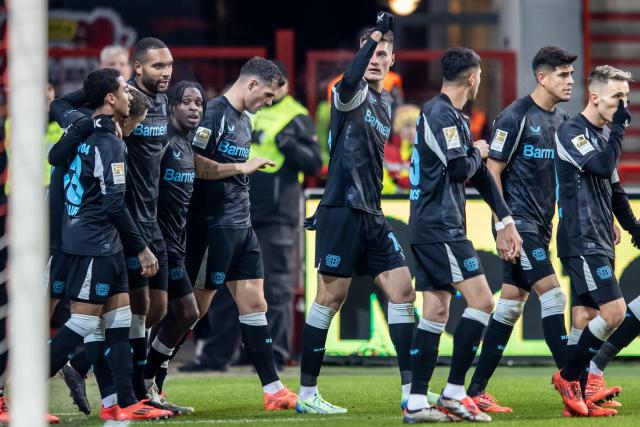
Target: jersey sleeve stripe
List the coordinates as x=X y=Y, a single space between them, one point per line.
x=517 y=141
x=358 y=99
x=564 y=155
x=98 y=171
x=431 y=141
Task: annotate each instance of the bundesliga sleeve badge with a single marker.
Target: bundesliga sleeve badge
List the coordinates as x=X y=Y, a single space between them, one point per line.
x=452 y=137
x=201 y=137
x=117 y=170
x=582 y=144
x=498 y=140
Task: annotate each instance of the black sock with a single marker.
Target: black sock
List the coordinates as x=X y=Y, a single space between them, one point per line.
x=118 y=355
x=155 y=359
x=424 y=354
x=258 y=345
x=61 y=347
x=94 y=354
x=80 y=362
x=626 y=332
x=313 y=342
x=402 y=336
x=139 y=347
x=587 y=347
x=555 y=334
x=160 y=377
x=495 y=341
x=465 y=345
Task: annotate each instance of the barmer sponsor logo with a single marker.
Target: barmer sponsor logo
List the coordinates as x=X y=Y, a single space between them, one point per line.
x=173 y=175
x=232 y=150
x=375 y=123
x=144 y=130
x=537 y=153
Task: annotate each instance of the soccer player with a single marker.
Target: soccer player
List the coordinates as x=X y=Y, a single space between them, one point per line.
x=444 y=157
x=116 y=57
x=186 y=104
x=586 y=169
x=521 y=163
x=352 y=232
x=219 y=217
x=79 y=128
x=96 y=224
x=153 y=66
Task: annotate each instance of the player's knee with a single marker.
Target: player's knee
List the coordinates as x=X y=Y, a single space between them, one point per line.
x=508 y=311
x=438 y=314
x=602 y=327
x=613 y=316
x=404 y=295
x=155 y=315
x=83 y=324
x=331 y=300
x=483 y=303
x=552 y=302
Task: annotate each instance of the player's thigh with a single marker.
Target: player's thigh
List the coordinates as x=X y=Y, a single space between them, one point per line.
x=222 y=245
x=203 y=297
x=476 y=293
x=338 y=240
x=179 y=283
x=161 y=279
x=432 y=268
x=435 y=306
x=533 y=264
x=593 y=282
x=248 y=295
x=196 y=246
x=513 y=293
x=396 y=284
x=546 y=284
x=93 y=280
x=56 y=274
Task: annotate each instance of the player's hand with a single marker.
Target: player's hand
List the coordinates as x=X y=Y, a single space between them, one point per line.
x=257 y=163
x=622 y=115
x=149 y=263
x=514 y=244
x=310 y=223
x=502 y=245
x=617 y=235
x=483 y=147
x=384 y=21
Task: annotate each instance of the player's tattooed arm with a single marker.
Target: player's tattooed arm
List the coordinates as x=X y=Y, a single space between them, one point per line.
x=212 y=170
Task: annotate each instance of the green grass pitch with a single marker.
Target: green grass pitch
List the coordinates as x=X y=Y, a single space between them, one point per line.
x=370 y=394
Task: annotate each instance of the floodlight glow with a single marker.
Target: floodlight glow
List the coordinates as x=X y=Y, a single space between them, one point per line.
x=403 y=7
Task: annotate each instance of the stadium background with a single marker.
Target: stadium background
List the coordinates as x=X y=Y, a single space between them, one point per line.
x=210 y=40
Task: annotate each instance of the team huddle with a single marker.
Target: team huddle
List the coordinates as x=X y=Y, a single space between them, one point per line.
x=149 y=179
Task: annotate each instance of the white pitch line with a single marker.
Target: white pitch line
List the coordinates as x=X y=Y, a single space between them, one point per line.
x=264 y=420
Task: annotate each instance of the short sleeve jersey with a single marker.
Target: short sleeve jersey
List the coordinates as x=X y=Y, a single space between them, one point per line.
x=224 y=135
x=437 y=201
x=584 y=200
x=357 y=134
x=98 y=169
x=145 y=147
x=176 y=186
x=524 y=138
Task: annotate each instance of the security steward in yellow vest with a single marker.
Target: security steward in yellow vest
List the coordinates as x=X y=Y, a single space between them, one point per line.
x=285 y=134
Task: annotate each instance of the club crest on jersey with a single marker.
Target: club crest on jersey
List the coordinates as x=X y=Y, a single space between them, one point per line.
x=332 y=260
x=471 y=264
x=452 y=137
x=539 y=254
x=102 y=289
x=604 y=272
x=217 y=278
x=176 y=273
x=582 y=144
x=117 y=169
x=498 y=140
x=201 y=137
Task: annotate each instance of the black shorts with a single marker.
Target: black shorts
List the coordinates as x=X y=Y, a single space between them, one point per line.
x=440 y=264
x=179 y=283
x=534 y=263
x=233 y=254
x=94 y=279
x=152 y=234
x=56 y=274
x=349 y=240
x=593 y=280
